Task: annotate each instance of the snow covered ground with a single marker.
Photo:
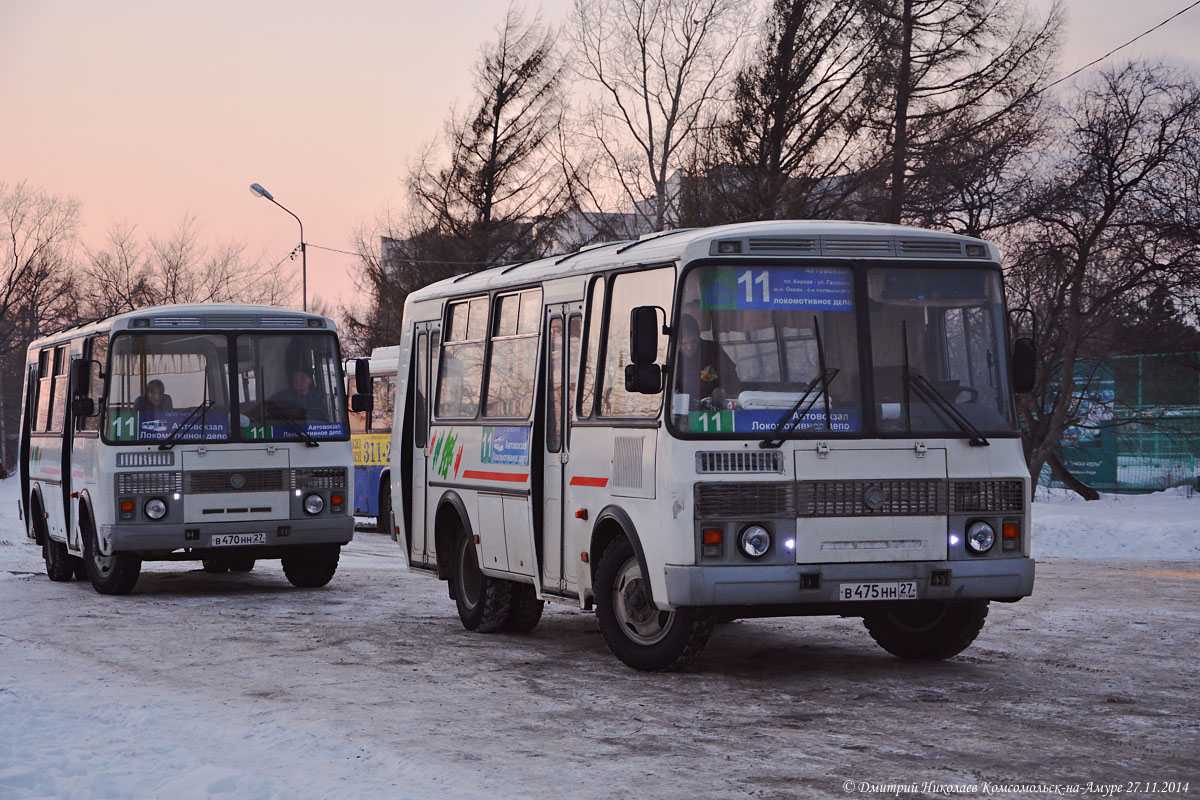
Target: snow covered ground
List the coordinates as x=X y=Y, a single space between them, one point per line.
x=201 y=686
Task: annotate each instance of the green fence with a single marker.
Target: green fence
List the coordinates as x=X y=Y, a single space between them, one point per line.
x=1140 y=423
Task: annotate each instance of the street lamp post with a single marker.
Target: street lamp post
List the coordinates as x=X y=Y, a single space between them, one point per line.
x=257 y=190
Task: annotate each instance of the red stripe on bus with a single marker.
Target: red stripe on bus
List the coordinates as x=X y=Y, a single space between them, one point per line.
x=511 y=477
x=579 y=480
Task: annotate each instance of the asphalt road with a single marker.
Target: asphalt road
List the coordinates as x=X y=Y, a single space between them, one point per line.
x=1093 y=679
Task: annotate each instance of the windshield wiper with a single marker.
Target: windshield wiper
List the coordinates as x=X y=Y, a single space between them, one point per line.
x=177 y=436
x=287 y=420
x=790 y=420
x=931 y=395
x=922 y=386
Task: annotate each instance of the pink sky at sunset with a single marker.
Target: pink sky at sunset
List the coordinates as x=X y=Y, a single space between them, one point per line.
x=150 y=111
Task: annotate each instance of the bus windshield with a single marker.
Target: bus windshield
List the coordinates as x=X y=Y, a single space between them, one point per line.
x=168 y=384
x=752 y=341
x=176 y=386
x=289 y=386
x=937 y=350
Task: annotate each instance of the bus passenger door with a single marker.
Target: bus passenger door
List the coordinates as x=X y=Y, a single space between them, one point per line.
x=564 y=324
x=420 y=442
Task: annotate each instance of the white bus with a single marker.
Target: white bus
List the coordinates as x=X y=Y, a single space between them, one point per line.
x=764 y=419
x=215 y=433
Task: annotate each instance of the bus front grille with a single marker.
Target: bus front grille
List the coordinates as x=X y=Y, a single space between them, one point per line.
x=753 y=499
x=739 y=461
x=871 y=498
x=977 y=497
x=231 y=480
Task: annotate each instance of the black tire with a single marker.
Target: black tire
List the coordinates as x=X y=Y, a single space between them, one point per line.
x=215 y=566
x=80 y=567
x=385 y=506
x=484 y=603
x=928 y=630
x=313 y=566
x=639 y=634
x=525 y=610
x=58 y=561
x=243 y=564
x=115 y=574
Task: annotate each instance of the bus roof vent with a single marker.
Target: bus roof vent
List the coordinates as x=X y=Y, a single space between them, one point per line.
x=738 y=461
x=175 y=322
x=783 y=245
x=951 y=248
x=858 y=246
x=232 y=321
x=283 y=322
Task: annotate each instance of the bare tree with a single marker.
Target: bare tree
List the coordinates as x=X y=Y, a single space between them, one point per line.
x=501 y=174
x=658 y=65
x=791 y=145
x=37 y=237
x=129 y=273
x=1113 y=224
x=953 y=70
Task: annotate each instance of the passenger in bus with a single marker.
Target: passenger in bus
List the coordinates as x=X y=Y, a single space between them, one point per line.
x=154 y=403
x=702 y=369
x=302 y=400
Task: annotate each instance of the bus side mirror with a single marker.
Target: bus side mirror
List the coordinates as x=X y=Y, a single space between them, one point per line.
x=81 y=377
x=1024 y=365
x=83 y=407
x=360 y=402
x=643 y=376
x=362 y=376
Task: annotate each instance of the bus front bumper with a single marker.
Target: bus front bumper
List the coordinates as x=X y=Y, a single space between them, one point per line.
x=800 y=584
x=277 y=533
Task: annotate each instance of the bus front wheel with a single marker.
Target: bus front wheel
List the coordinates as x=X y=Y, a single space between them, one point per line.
x=313 y=566
x=114 y=574
x=484 y=604
x=639 y=633
x=927 y=630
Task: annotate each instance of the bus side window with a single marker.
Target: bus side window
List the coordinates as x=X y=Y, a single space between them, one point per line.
x=421 y=391
x=630 y=289
x=554 y=391
x=59 y=411
x=595 y=310
x=461 y=378
x=44 y=384
x=383 y=389
x=574 y=333
x=95 y=349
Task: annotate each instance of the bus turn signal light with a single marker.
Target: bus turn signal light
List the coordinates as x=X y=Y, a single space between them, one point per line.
x=1010 y=535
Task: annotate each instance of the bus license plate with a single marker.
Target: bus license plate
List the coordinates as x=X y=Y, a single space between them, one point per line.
x=900 y=590
x=235 y=539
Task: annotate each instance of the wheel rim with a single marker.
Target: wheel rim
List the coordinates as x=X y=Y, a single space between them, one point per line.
x=102 y=563
x=470 y=579
x=639 y=619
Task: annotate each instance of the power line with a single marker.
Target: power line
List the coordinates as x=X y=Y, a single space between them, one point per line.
x=1121 y=47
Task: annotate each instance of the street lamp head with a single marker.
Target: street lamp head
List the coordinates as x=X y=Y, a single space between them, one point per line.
x=258 y=190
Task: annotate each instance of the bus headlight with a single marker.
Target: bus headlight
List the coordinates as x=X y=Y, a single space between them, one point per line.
x=980 y=536
x=755 y=541
x=313 y=503
x=155 y=508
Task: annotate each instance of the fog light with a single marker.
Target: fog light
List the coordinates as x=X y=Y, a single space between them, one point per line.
x=980 y=537
x=155 y=508
x=755 y=541
x=314 y=503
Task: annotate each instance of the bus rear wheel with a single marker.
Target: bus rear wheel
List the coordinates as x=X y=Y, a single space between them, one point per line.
x=484 y=604
x=114 y=574
x=58 y=560
x=313 y=566
x=927 y=631
x=525 y=610
x=640 y=634
x=385 y=507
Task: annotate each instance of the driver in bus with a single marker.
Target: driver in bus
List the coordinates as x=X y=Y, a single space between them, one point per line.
x=154 y=403
x=703 y=371
x=303 y=396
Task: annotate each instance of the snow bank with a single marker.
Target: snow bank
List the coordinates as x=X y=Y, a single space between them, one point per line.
x=1162 y=525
